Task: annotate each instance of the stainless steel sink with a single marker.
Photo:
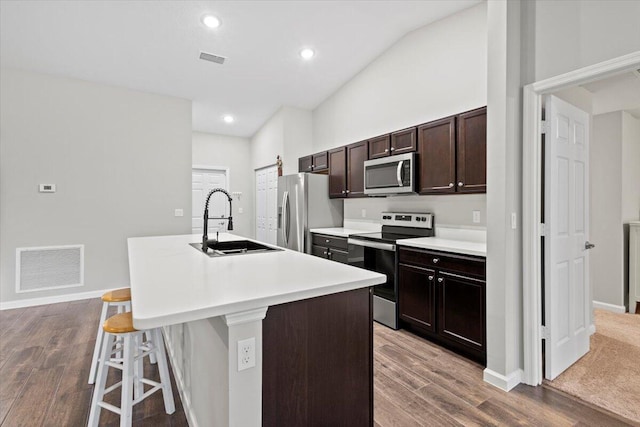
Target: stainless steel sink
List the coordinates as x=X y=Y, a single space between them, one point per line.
x=234 y=247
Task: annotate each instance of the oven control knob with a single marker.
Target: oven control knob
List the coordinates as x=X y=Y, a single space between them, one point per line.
x=424 y=218
x=418 y=219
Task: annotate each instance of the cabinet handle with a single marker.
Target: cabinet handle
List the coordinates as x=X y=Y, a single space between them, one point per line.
x=430 y=278
x=450 y=184
x=440 y=280
x=392 y=148
x=460 y=184
x=344 y=192
x=329 y=254
x=386 y=150
x=348 y=191
x=324 y=253
x=436 y=260
x=327 y=240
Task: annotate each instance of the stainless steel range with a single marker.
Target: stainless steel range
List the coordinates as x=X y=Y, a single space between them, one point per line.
x=380 y=256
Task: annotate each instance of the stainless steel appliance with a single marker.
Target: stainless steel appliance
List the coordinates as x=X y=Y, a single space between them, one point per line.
x=380 y=255
x=390 y=175
x=303 y=204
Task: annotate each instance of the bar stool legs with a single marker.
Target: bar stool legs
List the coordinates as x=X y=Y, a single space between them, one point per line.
x=134 y=350
x=121 y=307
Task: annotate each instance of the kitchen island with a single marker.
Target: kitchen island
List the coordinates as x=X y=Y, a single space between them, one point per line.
x=310 y=319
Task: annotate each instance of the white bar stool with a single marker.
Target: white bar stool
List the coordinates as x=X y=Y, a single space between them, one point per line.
x=119 y=329
x=121 y=299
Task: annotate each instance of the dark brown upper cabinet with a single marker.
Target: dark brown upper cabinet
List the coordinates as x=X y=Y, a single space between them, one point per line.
x=402 y=141
x=472 y=152
x=453 y=154
x=318 y=162
x=356 y=155
x=338 y=172
x=379 y=146
x=346 y=170
x=437 y=150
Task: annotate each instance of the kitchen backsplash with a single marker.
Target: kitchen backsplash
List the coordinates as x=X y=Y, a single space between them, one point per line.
x=455 y=210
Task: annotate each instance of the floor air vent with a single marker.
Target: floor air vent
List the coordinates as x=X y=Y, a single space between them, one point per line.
x=49 y=268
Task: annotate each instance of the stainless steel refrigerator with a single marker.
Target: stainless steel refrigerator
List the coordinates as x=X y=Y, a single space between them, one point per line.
x=303 y=204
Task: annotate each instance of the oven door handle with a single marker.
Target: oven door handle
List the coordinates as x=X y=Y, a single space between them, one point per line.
x=375 y=245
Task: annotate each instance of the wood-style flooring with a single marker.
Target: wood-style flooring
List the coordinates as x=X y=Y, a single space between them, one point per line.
x=45 y=354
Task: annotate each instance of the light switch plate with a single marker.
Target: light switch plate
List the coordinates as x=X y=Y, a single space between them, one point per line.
x=178 y=212
x=476 y=217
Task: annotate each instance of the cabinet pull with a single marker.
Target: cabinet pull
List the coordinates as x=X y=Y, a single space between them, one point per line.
x=450 y=184
x=386 y=150
x=436 y=260
x=430 y=278
x=324 y=253
x=327 y=240
x=392 y=149
x=329 y=254
x=348 y=191
x=343 y=192
x=460 y=184
x=440 y=280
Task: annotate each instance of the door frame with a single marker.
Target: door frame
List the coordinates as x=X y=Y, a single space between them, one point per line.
x=532 y=192
x=255 y=192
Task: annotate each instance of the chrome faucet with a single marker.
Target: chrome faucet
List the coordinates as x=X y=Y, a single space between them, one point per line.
x=205 y=238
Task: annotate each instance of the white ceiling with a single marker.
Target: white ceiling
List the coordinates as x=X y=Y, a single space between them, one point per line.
x=154 y=47
x=616 y=93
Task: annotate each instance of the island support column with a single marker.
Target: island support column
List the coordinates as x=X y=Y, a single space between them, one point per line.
x=245 y=387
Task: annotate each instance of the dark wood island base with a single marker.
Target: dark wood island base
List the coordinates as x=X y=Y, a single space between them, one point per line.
x=318 y=362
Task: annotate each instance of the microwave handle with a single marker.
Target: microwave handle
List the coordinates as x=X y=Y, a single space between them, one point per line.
x=399 y=172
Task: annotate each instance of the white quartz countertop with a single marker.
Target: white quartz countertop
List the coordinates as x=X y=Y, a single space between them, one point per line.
x=172 y=282
x=446 y=245
x=338 y=231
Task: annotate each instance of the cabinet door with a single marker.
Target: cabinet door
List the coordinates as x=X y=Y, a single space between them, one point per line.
x=461 y=310
x=320 y=161
x=403 y=141
x=338 y=172
x=437 y=149
x=339 y=256
x=416 y=289
x=305 y=164
x=320 y=251
x=356 y=155
x=472 y=152
x=379 y=147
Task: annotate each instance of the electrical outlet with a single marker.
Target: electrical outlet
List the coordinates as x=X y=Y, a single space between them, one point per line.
x=364 y=213
x=246 y=354
x=476 y=217
x=240 y=210
x=178 y=212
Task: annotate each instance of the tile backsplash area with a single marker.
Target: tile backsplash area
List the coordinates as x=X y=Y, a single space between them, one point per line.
x=455 y=209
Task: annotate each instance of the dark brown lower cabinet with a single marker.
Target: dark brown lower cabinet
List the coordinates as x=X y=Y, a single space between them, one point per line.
x=317 y=364
x=442 y=297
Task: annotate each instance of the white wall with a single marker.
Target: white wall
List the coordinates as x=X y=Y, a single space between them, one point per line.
x=121 y=161
x=432 y=72
x=233 y=153
x=630 y=168
x=606 y=260
x=288 y=134
x=573 y=34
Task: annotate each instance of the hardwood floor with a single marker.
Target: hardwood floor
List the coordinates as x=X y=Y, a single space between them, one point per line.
x=45 y=354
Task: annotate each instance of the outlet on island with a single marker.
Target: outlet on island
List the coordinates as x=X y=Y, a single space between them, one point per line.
x=246 y=354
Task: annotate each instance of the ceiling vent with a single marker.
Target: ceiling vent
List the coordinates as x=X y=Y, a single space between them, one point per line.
x=212 y=58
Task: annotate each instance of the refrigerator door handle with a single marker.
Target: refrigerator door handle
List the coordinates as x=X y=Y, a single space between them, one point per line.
x=286 y=218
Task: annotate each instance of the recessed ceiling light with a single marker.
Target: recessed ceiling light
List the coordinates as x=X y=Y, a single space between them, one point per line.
x=228 y=118
x=211 y=21
x=307 y=53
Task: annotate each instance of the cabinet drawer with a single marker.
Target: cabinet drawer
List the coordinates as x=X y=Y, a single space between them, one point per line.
x=320 y=251
x=330 y=241
x=339 y=256
x=443 y=261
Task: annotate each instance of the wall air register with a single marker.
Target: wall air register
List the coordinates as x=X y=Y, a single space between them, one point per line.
x=51 y=267
x=212 y=58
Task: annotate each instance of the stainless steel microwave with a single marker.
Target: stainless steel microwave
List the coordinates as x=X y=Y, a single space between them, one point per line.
x=390 y=175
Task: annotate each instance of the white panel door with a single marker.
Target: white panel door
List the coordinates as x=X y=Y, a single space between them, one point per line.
x=266 y=205
x=272 y=205
x=566 y=293
x=202 y=182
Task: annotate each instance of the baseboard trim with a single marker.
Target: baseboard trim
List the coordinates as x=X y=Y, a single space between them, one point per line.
x=32 y=302
x=504 y=383
x=610 y=307
x=592 y=329
x=186 y=403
